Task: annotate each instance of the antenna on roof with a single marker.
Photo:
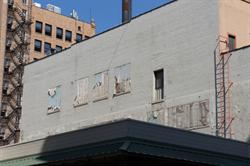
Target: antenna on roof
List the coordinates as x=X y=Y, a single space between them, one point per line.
x=92 y=21
x=74 y=14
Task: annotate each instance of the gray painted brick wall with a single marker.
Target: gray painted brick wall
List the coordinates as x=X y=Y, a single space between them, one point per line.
x=179 y=37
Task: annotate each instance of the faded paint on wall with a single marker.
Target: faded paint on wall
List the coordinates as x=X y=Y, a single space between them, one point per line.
x=147 y=43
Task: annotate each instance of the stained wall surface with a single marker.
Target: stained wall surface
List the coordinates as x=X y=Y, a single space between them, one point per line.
x=179 y=38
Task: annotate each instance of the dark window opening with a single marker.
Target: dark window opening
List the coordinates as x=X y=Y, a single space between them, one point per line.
x=10 y=22
x=24 y=12
x=159 y=85
x=5 y=86
x=38 y=45
x=68 y=36
x=231 y=42
x=59 y=33
x=6 y=64
x=79 y=28
x=78 y=37
x=47 y=48
x=24 y=2
x=39 y=27
x=48 y=30
x=58 y=48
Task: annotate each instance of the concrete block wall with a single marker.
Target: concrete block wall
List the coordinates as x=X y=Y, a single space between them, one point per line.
x=179 y=37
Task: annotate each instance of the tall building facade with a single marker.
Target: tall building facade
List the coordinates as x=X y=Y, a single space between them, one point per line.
x=28 y=33
x=52 y=32
x=173 y=66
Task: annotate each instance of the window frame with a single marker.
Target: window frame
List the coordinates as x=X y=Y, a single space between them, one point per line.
x=79 y=34
x=36 y=29
x=46 y=32
x=82 y=92
x=45 y=50
x=57 y=46
x=25 y=2
x=158 y=91
x=119 y=82
x=66 y=36
x=231 y=36
x=35 y=46
x=55 y=102
x=57 y=35
x=100 y=91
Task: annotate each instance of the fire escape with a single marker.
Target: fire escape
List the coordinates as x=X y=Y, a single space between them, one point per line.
x=223 y=86
x=17 y=46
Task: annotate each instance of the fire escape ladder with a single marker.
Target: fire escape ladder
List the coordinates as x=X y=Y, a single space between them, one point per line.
x=223 y=86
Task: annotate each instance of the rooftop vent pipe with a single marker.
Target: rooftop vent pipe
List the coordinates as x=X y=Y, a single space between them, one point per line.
x=126 y=10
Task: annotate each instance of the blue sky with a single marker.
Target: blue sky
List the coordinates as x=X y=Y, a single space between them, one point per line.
x=107 y=13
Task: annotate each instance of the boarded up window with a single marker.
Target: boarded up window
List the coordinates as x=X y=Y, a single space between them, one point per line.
x=54 y=99
x=82 y=92
x=189 y=116
x=100 y=88
x=122 y=79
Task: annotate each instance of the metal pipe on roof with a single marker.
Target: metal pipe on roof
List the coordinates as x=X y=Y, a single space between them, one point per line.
x=126 y=10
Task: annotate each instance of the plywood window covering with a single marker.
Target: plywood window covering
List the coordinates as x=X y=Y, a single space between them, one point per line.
x=122 y=79
x=82 y=92
x=100 y=88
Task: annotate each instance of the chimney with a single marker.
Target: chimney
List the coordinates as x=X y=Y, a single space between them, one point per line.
x=126 y=10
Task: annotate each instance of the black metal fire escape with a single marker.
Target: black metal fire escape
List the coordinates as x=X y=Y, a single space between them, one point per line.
x=223 y=86
x=17 y=46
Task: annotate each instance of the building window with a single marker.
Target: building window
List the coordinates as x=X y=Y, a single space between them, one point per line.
x=39 y=27
x=100 y=88
x=9 y=22
x=158 y=93
x=122 y=79
x=25 y=2
x=58 y=48
x=78 y=37
x=47 y=48
x=54 y=99
x=82 y=92
x=59 y=33
x=5 y=86
x=24 y=14
x=38 y=45
x=48 y=30
x=231 y=42
x=68 y=36
x=79 y=28
x=7 y=64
